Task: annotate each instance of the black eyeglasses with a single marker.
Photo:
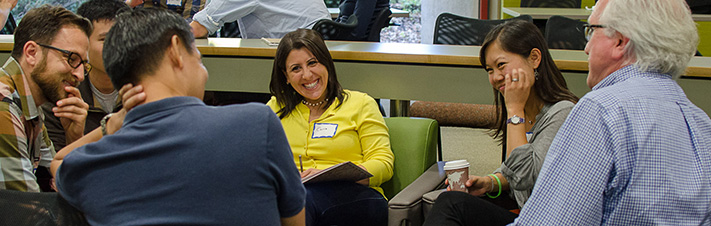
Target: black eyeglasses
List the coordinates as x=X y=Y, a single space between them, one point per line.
x=590 y=28
x=73 y=59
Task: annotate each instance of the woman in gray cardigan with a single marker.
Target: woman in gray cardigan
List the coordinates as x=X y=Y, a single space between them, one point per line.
x=532 y=101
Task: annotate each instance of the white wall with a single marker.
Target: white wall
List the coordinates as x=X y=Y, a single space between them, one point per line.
x=432 y=8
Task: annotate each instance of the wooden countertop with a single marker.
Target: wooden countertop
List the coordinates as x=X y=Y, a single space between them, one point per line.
x=467 y=56
x=570 y=60
x=574 y=13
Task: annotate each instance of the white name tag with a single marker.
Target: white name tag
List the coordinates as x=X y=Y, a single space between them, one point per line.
x=324 y=130
x=173 y=2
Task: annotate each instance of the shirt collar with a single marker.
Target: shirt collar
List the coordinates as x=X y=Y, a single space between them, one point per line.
x=624 y=73
x=165 y=104
x=13 y=69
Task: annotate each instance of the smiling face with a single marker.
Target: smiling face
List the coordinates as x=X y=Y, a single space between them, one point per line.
x=499 y=63
x=306 y=75
x=52 y=72
x=96 y=45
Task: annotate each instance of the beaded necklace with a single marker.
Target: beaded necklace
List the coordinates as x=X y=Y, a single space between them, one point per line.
x=314 y=104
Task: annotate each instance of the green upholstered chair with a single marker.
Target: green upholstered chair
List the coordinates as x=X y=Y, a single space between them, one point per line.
x=414 y=143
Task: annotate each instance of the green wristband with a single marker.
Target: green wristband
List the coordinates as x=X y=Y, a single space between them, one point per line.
x=498 y=182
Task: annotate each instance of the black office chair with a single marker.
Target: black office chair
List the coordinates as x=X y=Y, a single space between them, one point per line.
x=332 y=30
x=551 y=3
x=382 y=20
x=32 y=208
x=454 y=29
x=541 y=23
x=230 y=30
x=565 y=33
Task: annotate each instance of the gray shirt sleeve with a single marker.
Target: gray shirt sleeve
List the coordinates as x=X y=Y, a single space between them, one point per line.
x=524 y=163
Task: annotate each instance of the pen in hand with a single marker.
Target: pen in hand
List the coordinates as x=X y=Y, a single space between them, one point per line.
x=301 y=164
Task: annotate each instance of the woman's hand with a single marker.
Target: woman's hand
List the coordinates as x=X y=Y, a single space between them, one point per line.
x=478 y=185
x=365 y=181
x=518 y=86
x=312 y=171
x=309 y=172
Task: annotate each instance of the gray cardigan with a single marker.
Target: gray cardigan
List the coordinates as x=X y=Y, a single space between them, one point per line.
x=524 y=163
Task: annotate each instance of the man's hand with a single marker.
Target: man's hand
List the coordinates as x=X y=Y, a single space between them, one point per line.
x=72 y=112
x=7 y=4
x=131 y=97
x=198 y=30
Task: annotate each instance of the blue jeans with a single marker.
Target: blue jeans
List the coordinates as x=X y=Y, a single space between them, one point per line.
x=344 y=203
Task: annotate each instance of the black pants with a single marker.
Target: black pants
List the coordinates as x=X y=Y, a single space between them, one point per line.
x=344 y=204
x=459 y=208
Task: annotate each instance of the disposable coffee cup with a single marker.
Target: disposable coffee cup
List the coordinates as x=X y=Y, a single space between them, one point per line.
x=457 y=174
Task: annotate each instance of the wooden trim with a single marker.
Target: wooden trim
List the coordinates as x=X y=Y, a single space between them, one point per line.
x=567 y=60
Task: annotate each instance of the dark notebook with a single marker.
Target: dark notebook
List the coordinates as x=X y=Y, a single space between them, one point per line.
x=345 y=171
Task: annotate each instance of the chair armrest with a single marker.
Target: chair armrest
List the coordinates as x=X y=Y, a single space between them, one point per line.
x=405 y=208
x=427 y=182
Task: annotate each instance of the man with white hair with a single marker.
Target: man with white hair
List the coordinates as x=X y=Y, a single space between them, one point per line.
x=634 y=150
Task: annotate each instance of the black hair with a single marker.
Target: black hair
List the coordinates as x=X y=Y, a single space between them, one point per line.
x=520 y=37
x=285 y=94
x=138 y=40
x=97 y=10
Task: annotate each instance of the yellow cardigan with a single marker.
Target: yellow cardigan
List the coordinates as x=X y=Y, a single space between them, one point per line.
x=361 y=136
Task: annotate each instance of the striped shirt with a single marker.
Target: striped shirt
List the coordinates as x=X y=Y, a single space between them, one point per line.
x=634 y=151
x=23 y=137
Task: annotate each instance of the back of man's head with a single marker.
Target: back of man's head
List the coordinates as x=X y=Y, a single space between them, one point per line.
x=42 y=24
x=663 y=36
x=137 y=43
x=96 y=10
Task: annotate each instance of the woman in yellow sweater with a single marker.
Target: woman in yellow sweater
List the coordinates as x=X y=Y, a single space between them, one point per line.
x=327 y=125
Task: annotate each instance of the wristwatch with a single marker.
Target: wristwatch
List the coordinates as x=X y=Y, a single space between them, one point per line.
x=103 y=123
x=515 y=120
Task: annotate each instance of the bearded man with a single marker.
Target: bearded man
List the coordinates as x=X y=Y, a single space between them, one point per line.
x=48 y=60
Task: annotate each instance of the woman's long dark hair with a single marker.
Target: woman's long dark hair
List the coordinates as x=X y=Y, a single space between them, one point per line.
x=520 y=37
x=285 y=94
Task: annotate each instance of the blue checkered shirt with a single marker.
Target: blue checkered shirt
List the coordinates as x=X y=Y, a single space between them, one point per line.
x=634 y=151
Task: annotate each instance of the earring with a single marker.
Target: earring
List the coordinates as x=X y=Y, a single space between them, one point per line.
x=535 y=72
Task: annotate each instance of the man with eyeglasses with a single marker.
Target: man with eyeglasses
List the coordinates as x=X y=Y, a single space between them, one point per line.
x=48 y=61
x=172 y=160
x=634 y=150
x=96 y=90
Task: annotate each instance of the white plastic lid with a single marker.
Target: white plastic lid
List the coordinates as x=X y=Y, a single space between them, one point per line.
x=455 y=164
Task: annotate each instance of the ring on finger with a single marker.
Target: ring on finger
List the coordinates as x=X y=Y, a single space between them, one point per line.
x=514 y=79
